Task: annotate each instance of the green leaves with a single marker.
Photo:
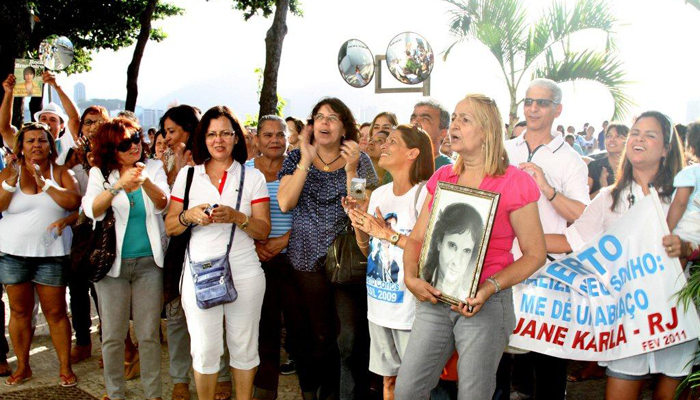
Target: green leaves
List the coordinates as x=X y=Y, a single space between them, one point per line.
x=590 y=65
x=93 y=25
x=263 y=7
x=503 y=27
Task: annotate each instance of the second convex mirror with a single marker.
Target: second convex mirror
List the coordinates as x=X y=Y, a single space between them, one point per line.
x=356 y=63
x=410 y=58
x=56 y=52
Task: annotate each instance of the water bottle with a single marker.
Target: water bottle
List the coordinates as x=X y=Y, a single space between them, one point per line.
x=50 y=236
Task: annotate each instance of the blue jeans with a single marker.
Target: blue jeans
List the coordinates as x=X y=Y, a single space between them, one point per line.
x=438 y=331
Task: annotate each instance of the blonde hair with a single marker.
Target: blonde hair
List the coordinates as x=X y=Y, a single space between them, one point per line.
x=488 y=118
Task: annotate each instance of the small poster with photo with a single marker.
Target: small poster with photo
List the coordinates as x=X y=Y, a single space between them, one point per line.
x=28 y=78
x=455 y=244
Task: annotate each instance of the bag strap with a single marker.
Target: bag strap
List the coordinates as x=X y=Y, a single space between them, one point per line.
x=188 y=185
x=238 y=206
x=415 y=200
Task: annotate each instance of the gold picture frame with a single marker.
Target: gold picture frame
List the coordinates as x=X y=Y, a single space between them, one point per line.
x=460 y=213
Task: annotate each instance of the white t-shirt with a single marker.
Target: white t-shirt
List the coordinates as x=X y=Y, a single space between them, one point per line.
x=63 y=144
x=564 y=170
x=389 y=303
x=210 y=241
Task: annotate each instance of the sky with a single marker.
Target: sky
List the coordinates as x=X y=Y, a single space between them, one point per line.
x=211 y=53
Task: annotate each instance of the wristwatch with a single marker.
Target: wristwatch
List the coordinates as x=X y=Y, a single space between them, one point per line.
x=394 y=239
x=114 y=191
x=245 y=223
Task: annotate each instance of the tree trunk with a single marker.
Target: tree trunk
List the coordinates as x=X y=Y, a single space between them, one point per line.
x=273 y=54
x=132 y=73
x=512 y=116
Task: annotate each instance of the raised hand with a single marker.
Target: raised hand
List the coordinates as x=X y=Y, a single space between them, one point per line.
x=308 y=150
x=350 y=151
x=9 y=83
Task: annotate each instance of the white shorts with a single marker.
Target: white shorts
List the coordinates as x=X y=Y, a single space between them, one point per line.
x=386 y=349
x=242 y=319
x=674 y=361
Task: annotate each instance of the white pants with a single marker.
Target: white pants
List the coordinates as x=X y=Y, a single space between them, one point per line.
x=242 y=319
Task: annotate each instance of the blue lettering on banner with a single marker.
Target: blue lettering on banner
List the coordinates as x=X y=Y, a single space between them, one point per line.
x=390 y=296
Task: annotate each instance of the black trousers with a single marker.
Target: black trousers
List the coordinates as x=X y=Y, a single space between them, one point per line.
x=280 y=299
x=80 y=291
x=316 y=333
x=540 y=376
x=353 y=341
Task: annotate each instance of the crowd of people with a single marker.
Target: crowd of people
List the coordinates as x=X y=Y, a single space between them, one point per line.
x=257 y=211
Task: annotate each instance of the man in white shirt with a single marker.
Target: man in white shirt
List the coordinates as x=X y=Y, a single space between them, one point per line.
x=562 y=178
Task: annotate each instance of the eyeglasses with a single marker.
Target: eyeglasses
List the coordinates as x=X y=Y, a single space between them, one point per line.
x=223 y=134
x=330 y=118
x=91 y=122
x=126 y=144
x=540 y=102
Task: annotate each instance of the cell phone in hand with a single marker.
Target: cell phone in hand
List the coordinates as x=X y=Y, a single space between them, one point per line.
x=209 y=209
x=357 y=188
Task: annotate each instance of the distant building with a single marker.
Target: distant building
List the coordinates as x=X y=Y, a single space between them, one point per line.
x=150 y=117
x=79 y=92
x=693 y=111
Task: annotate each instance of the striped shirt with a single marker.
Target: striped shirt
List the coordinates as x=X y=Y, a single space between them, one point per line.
x=281 y=222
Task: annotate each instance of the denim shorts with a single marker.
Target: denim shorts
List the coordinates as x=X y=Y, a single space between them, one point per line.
x=47 y=271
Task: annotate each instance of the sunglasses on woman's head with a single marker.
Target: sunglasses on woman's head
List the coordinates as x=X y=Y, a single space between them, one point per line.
x=126 y=144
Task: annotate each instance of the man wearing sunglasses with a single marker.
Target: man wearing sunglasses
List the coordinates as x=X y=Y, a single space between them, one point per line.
x=562 y=178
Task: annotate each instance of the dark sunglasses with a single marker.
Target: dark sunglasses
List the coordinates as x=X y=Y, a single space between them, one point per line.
x=540 y=102
x=126 y=144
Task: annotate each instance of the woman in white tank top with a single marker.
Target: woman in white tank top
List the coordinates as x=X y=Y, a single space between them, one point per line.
x=35 y=193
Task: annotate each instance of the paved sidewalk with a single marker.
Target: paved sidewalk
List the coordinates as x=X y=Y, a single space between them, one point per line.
x=45 y=373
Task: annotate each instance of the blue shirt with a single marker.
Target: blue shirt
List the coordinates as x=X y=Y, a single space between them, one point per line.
x=318 y=217
x=281 y=222
x=689 y=177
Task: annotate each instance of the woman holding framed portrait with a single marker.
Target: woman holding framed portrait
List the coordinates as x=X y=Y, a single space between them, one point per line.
x=478 y=327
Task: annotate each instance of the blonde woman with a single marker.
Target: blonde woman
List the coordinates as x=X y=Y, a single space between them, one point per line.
x=479 y=335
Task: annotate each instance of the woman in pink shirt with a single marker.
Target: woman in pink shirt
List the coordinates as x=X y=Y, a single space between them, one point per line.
x=479 y=335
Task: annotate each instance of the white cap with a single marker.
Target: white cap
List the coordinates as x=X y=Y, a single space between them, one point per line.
x=51 y=108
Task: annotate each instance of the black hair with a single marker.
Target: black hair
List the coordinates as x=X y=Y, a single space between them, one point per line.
x=200 y=152
x=187 y=117
x=346 y=117
x=455 y=218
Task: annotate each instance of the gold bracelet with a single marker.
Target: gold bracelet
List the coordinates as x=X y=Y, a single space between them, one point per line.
x=301 y=167
x=359 y=242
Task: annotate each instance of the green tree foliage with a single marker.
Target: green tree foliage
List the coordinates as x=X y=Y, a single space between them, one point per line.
x=526 y=49
x=90 y=24
x=269 y=99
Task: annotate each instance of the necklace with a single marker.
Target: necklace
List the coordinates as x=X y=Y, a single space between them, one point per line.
x=327 y=166
x=131 y=200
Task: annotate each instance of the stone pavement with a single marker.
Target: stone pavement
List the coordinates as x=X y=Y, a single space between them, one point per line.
x=45 y=374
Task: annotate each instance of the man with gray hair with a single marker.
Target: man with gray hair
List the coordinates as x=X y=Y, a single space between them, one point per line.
x=562 y=178
x=434 y=118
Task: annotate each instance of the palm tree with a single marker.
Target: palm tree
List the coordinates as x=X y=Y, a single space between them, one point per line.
x=541 y=49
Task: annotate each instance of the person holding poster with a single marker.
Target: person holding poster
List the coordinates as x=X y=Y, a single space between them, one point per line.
x=652 y=158
x=479 y=327
x=408 y=156
x=562 y=178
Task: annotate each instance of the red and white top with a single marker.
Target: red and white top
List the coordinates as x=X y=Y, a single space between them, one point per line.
x=210 y=241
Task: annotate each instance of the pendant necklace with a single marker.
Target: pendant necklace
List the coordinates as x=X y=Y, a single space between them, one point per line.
x=327 y=166
x=131 y=200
